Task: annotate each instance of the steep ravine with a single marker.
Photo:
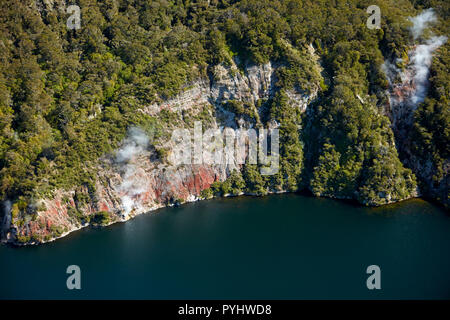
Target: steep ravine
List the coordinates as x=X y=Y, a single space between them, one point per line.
x=408 y=88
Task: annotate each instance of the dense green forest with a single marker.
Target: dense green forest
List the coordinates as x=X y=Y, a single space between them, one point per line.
x=67 y=96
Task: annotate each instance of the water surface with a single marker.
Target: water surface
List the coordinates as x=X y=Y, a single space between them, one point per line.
x=276 y=247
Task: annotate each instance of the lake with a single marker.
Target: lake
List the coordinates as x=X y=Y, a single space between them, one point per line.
x=285 y=246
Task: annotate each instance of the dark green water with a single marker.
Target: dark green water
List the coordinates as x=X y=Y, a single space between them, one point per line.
x=280 y=246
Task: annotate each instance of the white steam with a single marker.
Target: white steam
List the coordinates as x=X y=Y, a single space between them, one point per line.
x=131 y=187
x=134 y=144
x=410 y=85
x=420 y=62
x=421 y=22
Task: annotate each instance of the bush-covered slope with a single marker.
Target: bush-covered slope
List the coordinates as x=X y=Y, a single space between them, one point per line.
x=67 y=97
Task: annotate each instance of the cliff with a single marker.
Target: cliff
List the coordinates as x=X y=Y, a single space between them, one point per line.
x=88 y=109
x=145 y=180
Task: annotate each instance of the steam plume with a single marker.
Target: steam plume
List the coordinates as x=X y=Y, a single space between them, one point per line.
x=413 y=84
x=421 y=22
x=421 y=62
x=133 y=146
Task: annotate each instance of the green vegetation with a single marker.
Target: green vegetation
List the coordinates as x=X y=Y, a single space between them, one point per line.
x=431 y=130
x=234 y=185
x=240 y=109
x=67 y=97
x=101 y=218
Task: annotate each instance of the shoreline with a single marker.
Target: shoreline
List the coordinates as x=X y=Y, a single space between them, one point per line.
x=142 y=211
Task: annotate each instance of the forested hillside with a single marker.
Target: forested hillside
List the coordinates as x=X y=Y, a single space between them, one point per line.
x=67 y=97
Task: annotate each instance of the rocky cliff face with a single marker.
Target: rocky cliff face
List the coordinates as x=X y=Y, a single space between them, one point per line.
x=144 y=181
